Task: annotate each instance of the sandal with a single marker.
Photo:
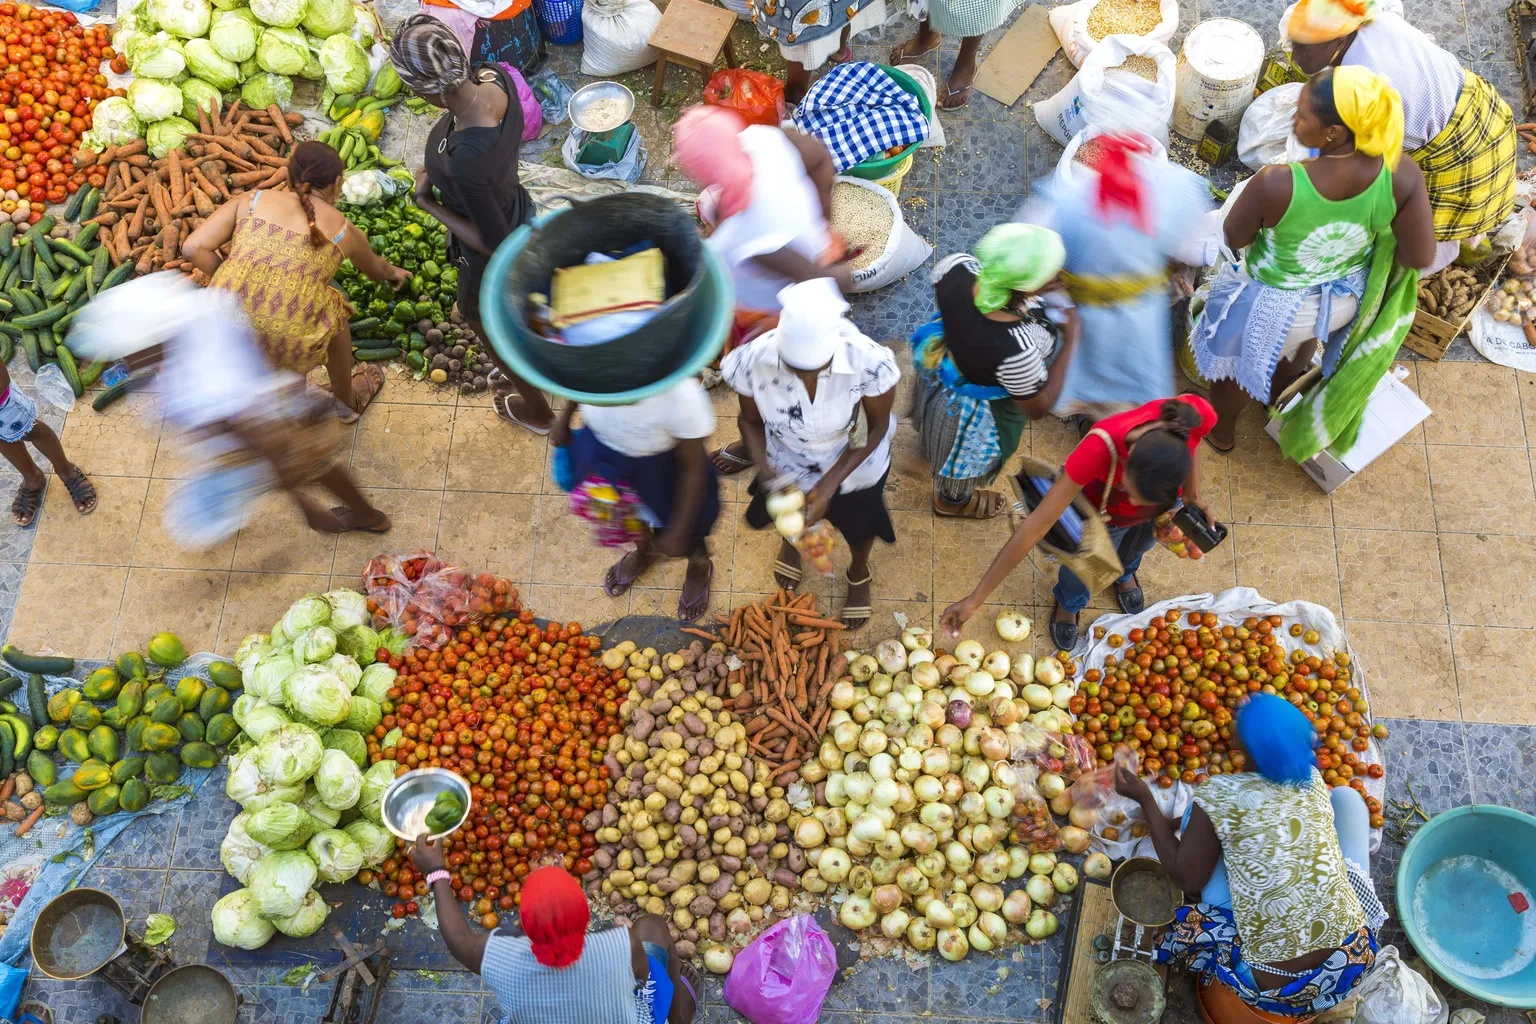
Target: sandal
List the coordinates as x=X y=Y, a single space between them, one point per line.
x=954 y=100
x=1218 y=448
x=503 y=406
x=1063 y=633
x=901 y=55
x=787 y=576
x=982 y=504
x=1131 y=600
x=615 y=583
x=82 y=492
x=25 y=505
x=855 y=616
x=727 y=462
x=349 y=523
x=689 y=611
x=367 y=382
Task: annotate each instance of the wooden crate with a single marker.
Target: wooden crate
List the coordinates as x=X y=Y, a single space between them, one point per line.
x=1430 y=336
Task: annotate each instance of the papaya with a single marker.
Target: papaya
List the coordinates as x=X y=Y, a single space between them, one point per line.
x=104 y=743
x=92 y=775
x=190 y=691
x=85 y=716
x=73 y=745
x=61 y=703
x=130 y=699
x=198 y=754
x=221 y=731
x=43 y=771
x=114 y=717
x=46 y=738
x=104 y=800
x=21 y=725
x=158 y=736
x=166 y=710
x=64 y=793
x=166 y=649
x=134 y=795
x=225 y=676
x=155 y=692
x=215 y=701
x=132 y=665
x=134 y=734
x=191 y=727
x=127 y=768
x=162 y=768
x=101 y=684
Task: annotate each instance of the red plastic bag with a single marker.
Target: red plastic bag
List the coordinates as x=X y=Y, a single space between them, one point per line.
x=784 y=974
x=756 y=96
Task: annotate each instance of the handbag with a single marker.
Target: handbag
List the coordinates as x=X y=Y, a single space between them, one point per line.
x=1095 y=560
x=515 y=41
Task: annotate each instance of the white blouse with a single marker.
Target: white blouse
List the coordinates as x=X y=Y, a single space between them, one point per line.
x=1427 y=77
x=806 y=437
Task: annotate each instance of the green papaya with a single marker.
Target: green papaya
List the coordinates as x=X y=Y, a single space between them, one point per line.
x=61 y=703
x=134 y=734
x=46 y=738
x=127 y=768
x=158 y=736
x=215 y=701
x=104 y=800
x=85 y=716
x=225 y=676
x=132 y=665
x=191 y=727
x=221 y=730
x=190 y=691
x=43 y=771
x=92 y=775
x=134 y=795
x=130 y=699
x=114 y=717
x=73 y=745
x=104 y=743
x=162 y=768
x=198 y=755
x=64 y=793
x=101 y=684
x=155 y=692
x=166 y=710
x=166 y=650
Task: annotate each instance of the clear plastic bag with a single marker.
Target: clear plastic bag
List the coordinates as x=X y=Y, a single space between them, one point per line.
x=817 y=545
x=53 y=388
x=1033 y=825
x=1118 y=821
x=416 y=593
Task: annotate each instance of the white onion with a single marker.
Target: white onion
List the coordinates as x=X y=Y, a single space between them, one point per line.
x=1039 y=888
x=885 y=793
x=992 y=866
x=1002 y=710
x=958 y=857
x=944 y=663
x=863 y=669
x=894 y=924
x=830 y=755
x=882 y=766
x=890 y=845
x=920 y=934
x=1084 y=817
x=894 y=708
x=867 y=828
x=954 y=788
x=858 y=787
x=1042 y=863
x=994 y=744
x=939 y=915
x=919 y=838
x=809 y=833
x=997 y=801
x=857 y=913
x=1038 y=697
x=1064 y=878
x=857 y=847
x=926 y=675
x=834 y=865
x=986 y=896
x=886 y=898
x=948 y=737
x=911 y=879
x=992 y=926
x=952 y=944
x=891 y=655
x=1061 y=693
x=846 y=736
x=928 y=788
x=931 y=864
x=1097 y=865
x=835 y=792
x=910 y=760
x=844 y=694
x=936 y=761
x=1051 y=785
x=1017 y=907
x=996 y=664
x=1074 y=839
x=978 y=939
x=917 y=638
x=812 y=881
x=1049 y=671
x=718 y=959
x=1012 y=625
x=880 y=684
x=872 y=741
x=1023 y=670
x=972 y=807
x=1061 y=804
x=975 y=775
x=979 y=684
x=1018 y=862
x=970 y=652
x=983 y=838
x=1041 y=925
x=906 y=800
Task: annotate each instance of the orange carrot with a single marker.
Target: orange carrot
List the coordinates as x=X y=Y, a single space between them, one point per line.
x=29 y=821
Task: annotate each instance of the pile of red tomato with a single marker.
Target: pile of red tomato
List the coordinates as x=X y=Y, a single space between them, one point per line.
x=1172 y=694
x=523 y=713
x=52 y=82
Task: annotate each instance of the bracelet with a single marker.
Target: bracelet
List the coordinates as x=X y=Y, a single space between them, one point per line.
x=438 y=875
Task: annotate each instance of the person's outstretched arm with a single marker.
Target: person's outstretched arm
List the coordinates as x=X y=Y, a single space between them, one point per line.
x=467 y=947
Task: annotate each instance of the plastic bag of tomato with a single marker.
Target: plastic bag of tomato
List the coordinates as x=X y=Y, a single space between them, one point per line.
x=51 y=83
x=426 y=599
x=524 y=713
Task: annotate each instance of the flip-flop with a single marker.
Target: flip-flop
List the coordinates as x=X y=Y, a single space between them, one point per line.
x=691 y=612
x=372 y=382
x=787 y=576
x=955 y=100
x=345 y=514
x=727 y=462
x=82 y=492
x=857 y=615
x=614 y=583
x=26 y=504
x=503 y=406
x=901 y=55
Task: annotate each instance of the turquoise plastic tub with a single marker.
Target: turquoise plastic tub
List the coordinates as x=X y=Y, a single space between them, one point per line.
x=1460 y=886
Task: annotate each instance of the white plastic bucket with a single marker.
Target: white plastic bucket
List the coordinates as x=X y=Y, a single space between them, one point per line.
x=1216 y=73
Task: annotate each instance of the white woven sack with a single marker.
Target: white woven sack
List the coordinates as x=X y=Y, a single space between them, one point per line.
x=1070 y=23
x=1097 y=99
x=616 y=36
x=904 y=250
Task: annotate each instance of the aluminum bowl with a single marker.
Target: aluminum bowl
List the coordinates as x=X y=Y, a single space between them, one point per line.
x=584 y=97
x=415 y=788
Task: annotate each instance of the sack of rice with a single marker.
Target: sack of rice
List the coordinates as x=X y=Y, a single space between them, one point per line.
x=1082 y=26
x=867 y=217
x=1128 y=82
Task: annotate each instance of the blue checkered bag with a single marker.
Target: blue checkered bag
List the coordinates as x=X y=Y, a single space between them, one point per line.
x=859 y=111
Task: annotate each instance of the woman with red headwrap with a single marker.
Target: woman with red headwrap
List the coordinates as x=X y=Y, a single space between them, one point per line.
x=551 y=969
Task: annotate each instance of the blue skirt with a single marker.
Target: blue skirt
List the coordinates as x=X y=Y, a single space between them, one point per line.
x=652 y=477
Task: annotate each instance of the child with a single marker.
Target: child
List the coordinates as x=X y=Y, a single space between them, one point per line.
x=18 y=425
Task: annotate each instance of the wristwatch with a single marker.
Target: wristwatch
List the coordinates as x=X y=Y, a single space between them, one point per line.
x=438 y=875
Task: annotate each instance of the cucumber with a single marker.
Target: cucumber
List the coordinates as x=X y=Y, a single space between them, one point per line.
x=9 y=685
x=42 y=227
x=87 y=236
x=71 y=373
x=7 y=348
x=72 y=208
x=44 y=252
x=37 y=699
x=7 y=232
x=43 y=318
x=28 y=261
x=29 y=345
x=26 y=301
x=42 y=664
x=112 y=393
x=43 y=274
x=376 y=355
x=6 y=306
x=46 y=343
x=100 y=264
x=70 y=249
x=10 y=330
x=364 y=324
x=67 y=264
x=118 y=275
x=77 y=286
x=7 y=749
x=91 y=372
x=92 y=200
x=61 y=287
x=370 y=343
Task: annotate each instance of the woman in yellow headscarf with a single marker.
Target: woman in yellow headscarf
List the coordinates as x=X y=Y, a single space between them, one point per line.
x=1455 y=125
x=1320 y=235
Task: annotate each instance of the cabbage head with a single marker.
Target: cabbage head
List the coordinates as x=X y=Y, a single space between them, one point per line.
x=253 y=647
x=156 y=56
x=345 y=64
x=289 y=754
x=125 y=39
x=171 y=133
x=318 y=694
x=283 y=51
x=280 y=880
x=365 y=27
x=185 y=18
x=206 y=63
x=348 y=609
x=246 y=787
x=265 y=679
x=239 y=852
x=113 y=123
x=315 y=645
x=256 y=717
x=350 y=743
x=281 y=826
x=375 y=781
x=312 y=69
x=347 y=668
x=197 y=94
x=378 y=679
x=327 y=17
x=306 y=920
x=237 y=921
x=338 y=780
x=358 y=642
x=376 y=842
x=153 y=100
x=363 y=714
x=325 y=817
x=226 y=5
x=280 y=13
x=234 y=33
x=307 y=612
x=336 y=855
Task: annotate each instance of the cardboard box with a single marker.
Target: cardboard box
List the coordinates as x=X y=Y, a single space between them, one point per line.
x=1018 y=58
x=1392 y=410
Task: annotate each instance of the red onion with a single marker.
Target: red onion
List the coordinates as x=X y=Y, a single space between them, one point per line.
x=958 y=714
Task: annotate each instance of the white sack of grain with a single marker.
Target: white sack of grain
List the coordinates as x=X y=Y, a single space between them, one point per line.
x=1127 y=83
x=1082 y=26
x=616 y=36
x=898 y=249
x=1265 y=136
x=1068 y=167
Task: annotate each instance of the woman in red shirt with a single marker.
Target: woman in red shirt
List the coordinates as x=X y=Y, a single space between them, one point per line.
x=1154 y=467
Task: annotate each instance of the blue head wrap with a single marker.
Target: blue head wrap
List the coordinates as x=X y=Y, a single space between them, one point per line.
x=1278 y=738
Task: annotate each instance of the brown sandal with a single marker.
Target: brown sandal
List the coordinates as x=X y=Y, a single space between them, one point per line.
x=25 y=505
x=82 y=492
x=349 y=521
x=367 y=382
x=976 y=506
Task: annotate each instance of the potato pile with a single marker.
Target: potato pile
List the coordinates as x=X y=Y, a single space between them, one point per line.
x=1514 y=300
x=696 y=829
x=1451 y=294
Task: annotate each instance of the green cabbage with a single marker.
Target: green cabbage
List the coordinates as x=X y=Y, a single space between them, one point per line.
x=234 y=33
x=318 y=694
x=281 y=13
x=312 y=68
x=363 y=715
x=315 y=645
x=309 y=611
x=168 y=134
x=185 y=18
x=351 y=743
x=348 y=609
x=204 y=61
x=325 y=817
x=246 y=787
x=157 y=56
x=365 y=27
x=393 y=640
x=375 y=781
x=227 y=5
x=359 y=642
x=196 y=93
x=249 y=69
x=281 y=826
x=254 y=646
x=378 y=679
x=239 y=852
x=345 y=667
x=125 y=39
x=256 y=717
x=336 y=855
x=280 y=880
x=375 y=842
x=306 y=920
x=136 y=17
x=237 y=921
x=338 y=780
x=327 y=17
x=272 y=669
x=288 y=755
x=113 y=123
x=283 y=51
x=345 y=63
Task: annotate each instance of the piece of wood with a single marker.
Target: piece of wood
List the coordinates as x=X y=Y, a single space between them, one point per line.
x=1019 y=57
x=355 y=957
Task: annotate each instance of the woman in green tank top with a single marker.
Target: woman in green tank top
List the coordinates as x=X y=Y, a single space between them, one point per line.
x=1322 y=236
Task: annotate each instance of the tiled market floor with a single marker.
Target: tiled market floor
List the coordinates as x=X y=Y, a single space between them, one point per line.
x=1422 y=557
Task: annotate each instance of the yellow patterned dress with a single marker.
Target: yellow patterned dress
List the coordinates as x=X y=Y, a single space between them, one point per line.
x=284 y=284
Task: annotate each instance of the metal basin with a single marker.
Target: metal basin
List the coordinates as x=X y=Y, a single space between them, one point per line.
x=416 y=789
x=582 y=99
x=77 y=934
x=1142 y=891
x=195 y=992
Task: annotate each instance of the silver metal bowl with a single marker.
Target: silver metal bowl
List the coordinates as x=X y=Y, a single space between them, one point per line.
x=418 y=787
x=584 y=97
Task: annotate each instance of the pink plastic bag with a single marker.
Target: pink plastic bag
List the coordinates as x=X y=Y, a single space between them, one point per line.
x=784 y=974
x=533 y=114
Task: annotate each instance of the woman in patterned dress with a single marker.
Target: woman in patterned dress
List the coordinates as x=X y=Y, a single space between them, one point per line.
x=284 y=248
x=1311 y=230
x=1290 y=926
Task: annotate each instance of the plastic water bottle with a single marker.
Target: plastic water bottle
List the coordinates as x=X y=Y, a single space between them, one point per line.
x=115 y=374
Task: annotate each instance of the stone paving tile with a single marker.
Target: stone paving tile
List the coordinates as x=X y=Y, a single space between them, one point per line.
x=885 y=985
x=146 y=843
x=1503 y=765
x=82 y=1002
x=138 y=890
x=189 y=897
x=284 y=1004
x=405 y=1006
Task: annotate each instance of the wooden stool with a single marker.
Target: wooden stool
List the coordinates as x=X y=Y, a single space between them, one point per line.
x=691 y=33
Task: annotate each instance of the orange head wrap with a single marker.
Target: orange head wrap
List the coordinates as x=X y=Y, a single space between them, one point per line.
x=554 y=916
x=706 y=147
x=1322 y=21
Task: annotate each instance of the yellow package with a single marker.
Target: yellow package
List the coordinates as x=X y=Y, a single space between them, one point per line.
x=592 y=290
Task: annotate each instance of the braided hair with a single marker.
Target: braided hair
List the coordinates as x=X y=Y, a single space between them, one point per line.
x=313 y=166
x=1160 y=458
x=428 y=57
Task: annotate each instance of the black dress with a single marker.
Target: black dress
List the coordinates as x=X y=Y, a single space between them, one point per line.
x=475 y=171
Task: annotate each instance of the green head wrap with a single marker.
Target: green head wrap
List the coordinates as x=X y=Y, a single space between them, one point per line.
x=1015 y=258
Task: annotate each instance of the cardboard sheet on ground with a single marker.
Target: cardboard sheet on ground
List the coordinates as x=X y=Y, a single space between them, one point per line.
x=1231 y=608
x=1018 y=58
